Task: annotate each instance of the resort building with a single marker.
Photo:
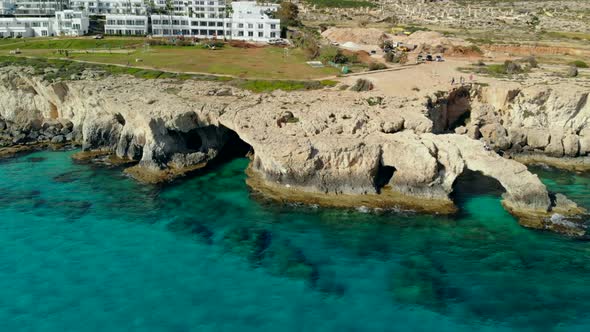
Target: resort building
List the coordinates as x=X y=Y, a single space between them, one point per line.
x=128 y=25
x=98 y=7
x=6 y=7
x=38 y=7
x=63 y=23
x=246 y=20
x=242 y=20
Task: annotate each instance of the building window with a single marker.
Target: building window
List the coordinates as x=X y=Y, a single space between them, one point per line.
x=273 y=26
x=273 y=35
x=260 y=26
x=250 y=25
x=260 y=34
x=250 y=33
x=44 y=33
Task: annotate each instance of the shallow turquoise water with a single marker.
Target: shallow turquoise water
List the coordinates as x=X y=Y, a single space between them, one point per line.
x=87 y=249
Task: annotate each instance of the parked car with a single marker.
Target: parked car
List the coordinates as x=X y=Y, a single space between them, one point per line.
x=429 y=57
x=439 y=58
x=99 y=36
x=420 y=58
x=277 y=41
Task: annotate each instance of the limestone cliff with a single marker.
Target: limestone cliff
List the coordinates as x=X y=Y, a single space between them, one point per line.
x=547 y=123
x=331 y=147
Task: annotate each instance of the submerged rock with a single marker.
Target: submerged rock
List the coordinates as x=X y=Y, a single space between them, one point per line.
x=68 y=177
x=193 y=228
x=277 y=256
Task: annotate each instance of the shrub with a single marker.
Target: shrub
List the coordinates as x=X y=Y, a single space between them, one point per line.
x=377 y=66
x=511 y=67
x=362 y=85
x=531 y=61
x=309 y=43
x=579 y=64
x=333 y=54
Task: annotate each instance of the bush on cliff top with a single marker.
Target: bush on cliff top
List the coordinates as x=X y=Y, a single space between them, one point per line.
x=579 y=64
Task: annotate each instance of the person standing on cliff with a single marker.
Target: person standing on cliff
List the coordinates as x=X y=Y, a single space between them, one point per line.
x=453 y=81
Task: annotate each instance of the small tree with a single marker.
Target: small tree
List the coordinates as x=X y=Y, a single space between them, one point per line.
x=288 y=13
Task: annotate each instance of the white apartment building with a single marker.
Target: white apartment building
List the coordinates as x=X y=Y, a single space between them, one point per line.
x=64 y=23
x=123 y=7
x=243 y=20
x=38 y=7
x=71 y=23
x=129 y=25
x=7 y=7
x=26 y=27
x=246 y=21
x=250 y=21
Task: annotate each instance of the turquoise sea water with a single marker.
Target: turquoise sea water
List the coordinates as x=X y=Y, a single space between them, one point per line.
x=87 y=249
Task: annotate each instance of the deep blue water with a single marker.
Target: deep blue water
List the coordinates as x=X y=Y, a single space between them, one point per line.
x=87 y=249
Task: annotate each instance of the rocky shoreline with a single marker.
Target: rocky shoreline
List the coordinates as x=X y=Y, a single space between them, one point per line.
x=337 y=148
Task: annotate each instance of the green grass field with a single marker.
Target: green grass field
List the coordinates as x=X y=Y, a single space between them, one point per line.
x=70 y=43
x=252 y=63
x=66 y=69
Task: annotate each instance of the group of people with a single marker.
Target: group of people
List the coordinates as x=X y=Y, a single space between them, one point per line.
x=462 y=80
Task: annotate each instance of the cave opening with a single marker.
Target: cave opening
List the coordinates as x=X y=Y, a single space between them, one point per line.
x=451 y=112
x=192 y=140
x=226 y=143
x=470 y=184
x=234 y=147
x=383 y=176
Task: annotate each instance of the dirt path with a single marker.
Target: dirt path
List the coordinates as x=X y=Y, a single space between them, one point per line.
x=407 y=80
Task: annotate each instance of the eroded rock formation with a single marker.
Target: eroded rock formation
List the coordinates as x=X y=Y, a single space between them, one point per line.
x=337 y=148
x=534 y=123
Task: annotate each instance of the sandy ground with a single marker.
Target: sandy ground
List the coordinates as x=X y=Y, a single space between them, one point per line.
x=404 y=80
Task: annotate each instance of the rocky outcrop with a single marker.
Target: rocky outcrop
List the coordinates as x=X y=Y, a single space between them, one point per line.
x=336 y=148
x=533 y=119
